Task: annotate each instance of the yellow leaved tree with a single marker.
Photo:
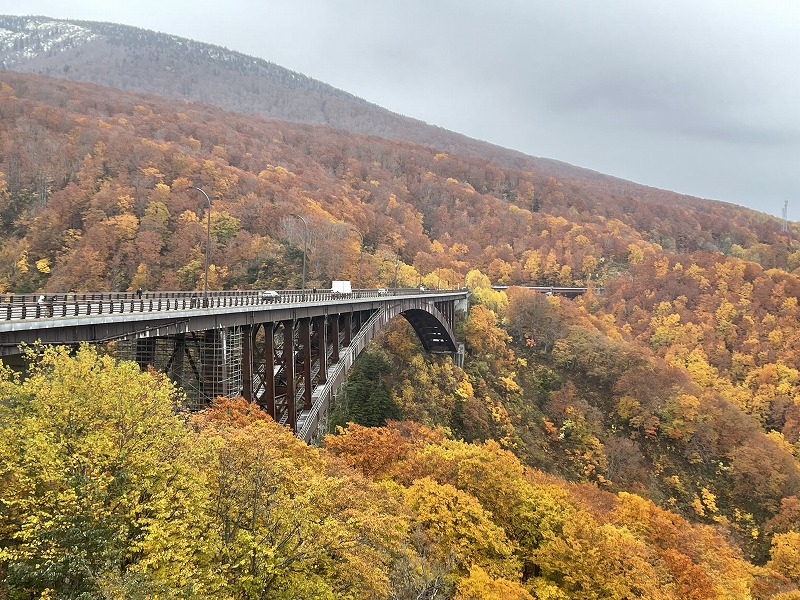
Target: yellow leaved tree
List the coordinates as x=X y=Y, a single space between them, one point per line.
x=291 y=524
x=98 y=493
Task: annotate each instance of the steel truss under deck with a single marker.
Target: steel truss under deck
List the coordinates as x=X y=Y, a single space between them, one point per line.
x=205 y=364
x=275 y=364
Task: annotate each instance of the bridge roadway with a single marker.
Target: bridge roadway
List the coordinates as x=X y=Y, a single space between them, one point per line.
x=289 y=351
x=569 y=292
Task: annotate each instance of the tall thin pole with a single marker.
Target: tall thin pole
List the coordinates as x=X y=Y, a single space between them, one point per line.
x=785 y=222
x=360 y=253
x=305 y=246
x=208 y=244
x=396 y=265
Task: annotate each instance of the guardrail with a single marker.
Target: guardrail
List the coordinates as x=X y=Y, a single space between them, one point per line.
x=87 y=304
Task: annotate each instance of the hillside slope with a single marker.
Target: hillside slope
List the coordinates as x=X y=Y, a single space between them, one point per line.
x=130 y=58
x=681 y=381
x=68 y=151
x=136 y=59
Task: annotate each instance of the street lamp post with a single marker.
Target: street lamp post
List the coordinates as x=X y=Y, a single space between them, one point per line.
x=208 y=244
x=360 y=253
x=305 y=246
x=396 y=265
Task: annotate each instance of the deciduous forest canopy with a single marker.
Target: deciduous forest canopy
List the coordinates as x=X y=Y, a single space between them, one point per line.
x=639 y=441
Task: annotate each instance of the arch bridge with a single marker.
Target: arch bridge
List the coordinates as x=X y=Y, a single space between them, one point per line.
x=288 y=351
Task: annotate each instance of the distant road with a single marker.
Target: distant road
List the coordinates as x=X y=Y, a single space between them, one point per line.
x=569 y=292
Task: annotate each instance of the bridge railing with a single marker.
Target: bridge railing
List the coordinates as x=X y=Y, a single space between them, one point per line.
x=88 y=304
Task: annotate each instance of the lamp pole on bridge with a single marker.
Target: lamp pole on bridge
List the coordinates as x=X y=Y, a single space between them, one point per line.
x=360 y=253
x=305 y=246
x=208 y=244
x=396 y=265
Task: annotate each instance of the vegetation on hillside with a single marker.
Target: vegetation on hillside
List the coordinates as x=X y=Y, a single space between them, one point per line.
x=96 y=193
x=639 y=442
x=559 y=384
x=108 y=492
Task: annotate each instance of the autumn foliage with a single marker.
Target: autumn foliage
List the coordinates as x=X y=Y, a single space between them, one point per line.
x=638 y=441
x=108 y=491
x=96 y=193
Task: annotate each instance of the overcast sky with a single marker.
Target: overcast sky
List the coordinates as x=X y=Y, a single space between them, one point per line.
x=697 y=96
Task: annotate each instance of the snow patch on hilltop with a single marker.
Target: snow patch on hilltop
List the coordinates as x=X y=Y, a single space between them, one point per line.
x=23 y=39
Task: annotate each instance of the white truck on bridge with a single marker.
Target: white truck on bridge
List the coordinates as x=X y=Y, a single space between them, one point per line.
x=341 y=288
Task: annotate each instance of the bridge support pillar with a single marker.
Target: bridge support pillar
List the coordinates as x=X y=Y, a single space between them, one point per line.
x=268 y=373
x=214 y=365
x=458 y=358
x=348 y=328
x=175 y=363
x=305 y=342
x=334 y=321
x=321 y=342
x=289 y=372
x=247 y=362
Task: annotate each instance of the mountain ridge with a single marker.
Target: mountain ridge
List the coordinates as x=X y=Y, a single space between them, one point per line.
x=142 y=60
x=680 y=381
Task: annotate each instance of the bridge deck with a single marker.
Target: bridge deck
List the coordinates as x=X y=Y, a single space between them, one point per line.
x=289 y=351
x=68 y=318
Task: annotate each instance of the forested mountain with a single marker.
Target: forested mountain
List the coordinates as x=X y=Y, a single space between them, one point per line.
x=136 y=59
x=639 y=442
x=97 y=177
